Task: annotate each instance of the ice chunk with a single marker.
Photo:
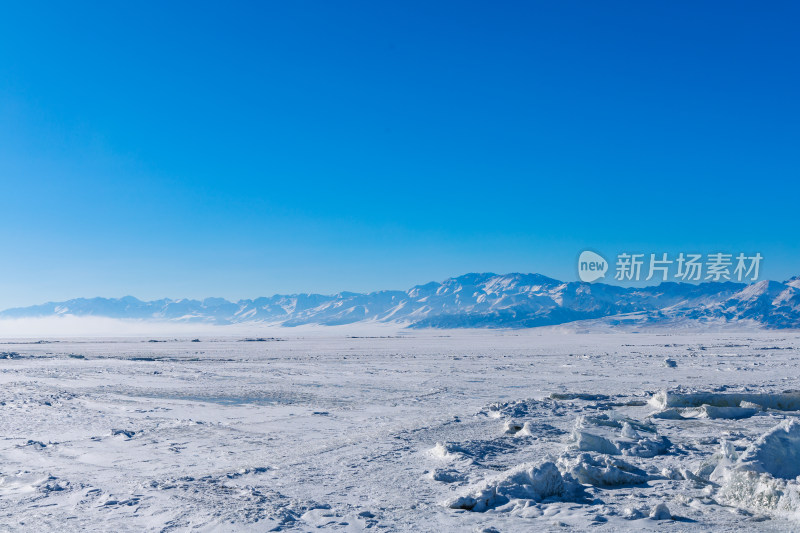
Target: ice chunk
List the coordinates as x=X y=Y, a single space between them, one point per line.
x=668 y=414
x=596 y=420
x=528 y=481
x=785 y=401
x=715 y=412
x=750 y=405
x=602 y=471
x=628 y=432
x=446 y=451
x=589 y=442
x=526 y=430
x=602 y=439
x=764 y=478
x=759 y=492
x=661 y=512
x=512 y=427
x=614 y=421
x=632 y=513
x=777 y=452
x=682 y=473
x=691 y=476
x=645 y=447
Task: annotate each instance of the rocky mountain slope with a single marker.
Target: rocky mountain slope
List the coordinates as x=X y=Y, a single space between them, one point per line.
x=471 y=300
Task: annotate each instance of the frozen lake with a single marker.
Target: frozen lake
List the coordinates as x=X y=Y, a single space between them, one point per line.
x=415 y=431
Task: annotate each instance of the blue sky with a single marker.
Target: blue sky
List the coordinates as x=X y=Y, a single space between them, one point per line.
x=245 y=149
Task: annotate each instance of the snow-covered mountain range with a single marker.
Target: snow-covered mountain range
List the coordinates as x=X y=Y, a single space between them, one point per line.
x=471 y=300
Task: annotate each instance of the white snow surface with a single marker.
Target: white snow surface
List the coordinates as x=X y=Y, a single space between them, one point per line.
x=398 y=430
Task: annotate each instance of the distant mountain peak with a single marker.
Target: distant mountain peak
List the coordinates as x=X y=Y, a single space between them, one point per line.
x=482 y=299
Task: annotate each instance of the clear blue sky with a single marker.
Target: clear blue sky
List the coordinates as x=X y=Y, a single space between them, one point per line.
x=242 y=149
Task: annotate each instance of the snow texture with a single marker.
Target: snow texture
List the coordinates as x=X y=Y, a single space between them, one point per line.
x=402 y=430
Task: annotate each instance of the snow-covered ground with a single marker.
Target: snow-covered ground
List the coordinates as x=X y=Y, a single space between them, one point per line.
x=408 y=431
